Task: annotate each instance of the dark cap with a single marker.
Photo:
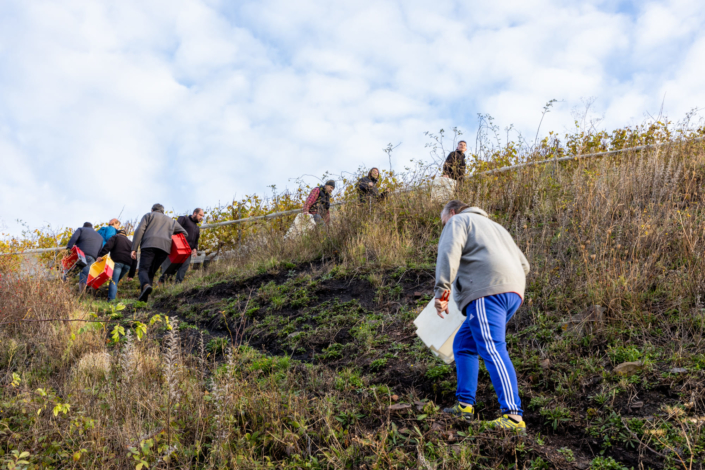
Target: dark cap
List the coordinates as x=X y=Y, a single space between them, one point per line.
x=330 y=183
x=88 y=224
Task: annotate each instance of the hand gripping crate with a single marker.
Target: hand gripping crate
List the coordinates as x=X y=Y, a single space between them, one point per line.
x=75 y=259
x=438 y=333
x=180 y=251
x=100 y=272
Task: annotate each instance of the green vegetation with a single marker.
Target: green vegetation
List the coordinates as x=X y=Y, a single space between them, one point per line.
x=301 y=353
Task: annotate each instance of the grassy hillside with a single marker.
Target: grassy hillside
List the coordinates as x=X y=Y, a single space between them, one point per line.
x=302 y=353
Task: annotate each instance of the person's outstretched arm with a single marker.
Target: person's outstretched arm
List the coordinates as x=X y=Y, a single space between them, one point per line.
x=108 y=247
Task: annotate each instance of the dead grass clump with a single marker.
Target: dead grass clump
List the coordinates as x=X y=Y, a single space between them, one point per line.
x=92 y=368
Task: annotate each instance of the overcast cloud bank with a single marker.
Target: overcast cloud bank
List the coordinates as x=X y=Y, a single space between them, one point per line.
x=112 y=106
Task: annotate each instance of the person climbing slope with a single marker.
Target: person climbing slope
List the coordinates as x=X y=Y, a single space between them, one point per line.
x=153 y=236
x=367 y=187
x=455 y=167
x=488 y=272
x=318 y=203
x=109 y=231
x=90 y=242
x=120 y=249
x=190 y=224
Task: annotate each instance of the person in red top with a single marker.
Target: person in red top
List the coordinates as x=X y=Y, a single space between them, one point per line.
x=318 y=203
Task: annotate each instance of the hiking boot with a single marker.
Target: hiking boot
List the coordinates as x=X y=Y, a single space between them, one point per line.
x=505 y=422
x=144 y=295
x=461 y=411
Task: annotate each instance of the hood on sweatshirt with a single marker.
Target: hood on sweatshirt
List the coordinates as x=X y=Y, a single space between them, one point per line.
x=476 y=210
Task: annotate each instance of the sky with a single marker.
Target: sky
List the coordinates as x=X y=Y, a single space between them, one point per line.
x=107 y=107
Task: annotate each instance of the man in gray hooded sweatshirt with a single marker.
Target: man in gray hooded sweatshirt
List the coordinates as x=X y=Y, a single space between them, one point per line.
x=487 y=271
x=153 y=235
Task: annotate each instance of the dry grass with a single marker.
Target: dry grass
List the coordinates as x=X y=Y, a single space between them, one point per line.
x=623 y=233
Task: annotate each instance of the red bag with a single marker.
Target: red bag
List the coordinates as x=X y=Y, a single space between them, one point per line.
x=180 y=251
x=77 y=259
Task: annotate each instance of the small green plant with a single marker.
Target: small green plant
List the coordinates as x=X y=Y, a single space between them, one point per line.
x=217 y=345
x=347 y=379
x=539 y=464
x=17 y=460
x=601 y=398
x=606 y=463
x=334 y=351
x=438 y=372
x=539 y=402
x=556 y=416
x=567 y=454
x=621 y=354
x=378 y=364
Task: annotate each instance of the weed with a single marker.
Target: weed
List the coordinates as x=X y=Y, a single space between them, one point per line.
x=438 y=372
x=567 y=454
x=606 y=463
x=556 y=416
x=217 y=345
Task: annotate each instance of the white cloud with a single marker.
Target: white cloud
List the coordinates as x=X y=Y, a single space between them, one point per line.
x=107 y=105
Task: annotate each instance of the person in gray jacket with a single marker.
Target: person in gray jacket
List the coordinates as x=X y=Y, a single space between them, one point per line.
x=487 y=271
x=153 y=236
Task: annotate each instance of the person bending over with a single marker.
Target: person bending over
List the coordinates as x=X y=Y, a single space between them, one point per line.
x=488 y=272
x=318 y=203
x=367 y=187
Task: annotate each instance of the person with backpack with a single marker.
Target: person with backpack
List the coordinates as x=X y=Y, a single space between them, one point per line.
x=488 y=273
x=120 y=249
x=367 y=187
x=318 y=203
x=153 y=238
x=190 y=224
x=109 y=230
x=90 y=243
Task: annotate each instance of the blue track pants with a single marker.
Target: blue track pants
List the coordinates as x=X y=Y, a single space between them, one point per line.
x=483 y=333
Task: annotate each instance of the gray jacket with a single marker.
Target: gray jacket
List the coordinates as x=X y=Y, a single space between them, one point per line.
x=480 y=256
x=155 y=231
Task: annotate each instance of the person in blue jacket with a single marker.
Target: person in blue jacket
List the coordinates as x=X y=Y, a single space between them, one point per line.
x=109 y=230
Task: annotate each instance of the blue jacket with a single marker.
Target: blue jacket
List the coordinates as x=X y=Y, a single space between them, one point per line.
x=107 y=233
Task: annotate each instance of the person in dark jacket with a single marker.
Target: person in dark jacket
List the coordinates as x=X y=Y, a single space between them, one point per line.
x=90 y=243
x=109 y=230
x=153 y=236
x=190 y=224
x=318 y=203
x=454 y=166
x=367 y=187
x=120 y=249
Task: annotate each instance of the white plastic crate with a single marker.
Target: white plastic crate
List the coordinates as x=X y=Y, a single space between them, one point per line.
x=438 y=333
